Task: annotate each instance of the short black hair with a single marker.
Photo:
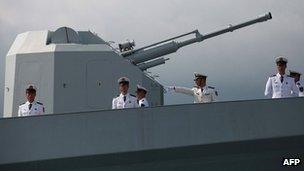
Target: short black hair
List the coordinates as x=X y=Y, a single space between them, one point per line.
x=124 y=82
x=282 y=62
x=138 y=90
x=30 y=91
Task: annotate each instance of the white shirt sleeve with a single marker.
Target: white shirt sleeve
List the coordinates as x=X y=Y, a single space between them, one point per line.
x=135 y=103
x=268 y=89
x=19 y=112
x=213 y=96
x=114 y=105
x=294 y=89
x=184 y=90
x=41 y=112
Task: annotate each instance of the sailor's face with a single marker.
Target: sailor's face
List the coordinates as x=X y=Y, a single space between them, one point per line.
x=30 y=96
x=281 y=67
x=140 y=94
x=123 y=87
x=200 y=81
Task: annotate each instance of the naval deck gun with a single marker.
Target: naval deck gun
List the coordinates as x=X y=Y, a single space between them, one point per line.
x=66 y=64
x=153 y=52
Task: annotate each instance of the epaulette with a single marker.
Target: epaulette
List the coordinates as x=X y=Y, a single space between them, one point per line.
x=39 y=103
x=289 y=76
x=132 y=95
x=22 y=104
x=195 y=86
x=273 y=75
x=118 y=95
x=211 y=87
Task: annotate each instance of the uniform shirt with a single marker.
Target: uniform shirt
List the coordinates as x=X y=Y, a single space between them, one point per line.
x=143 y=102
x=277 y=89
x=124 y=101
x=301 y=89
x=201 y=95
x=30 y=109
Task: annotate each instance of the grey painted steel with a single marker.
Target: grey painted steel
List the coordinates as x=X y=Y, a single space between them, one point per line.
x=165 y=47
x=116 y=131
x=262 y=154
x=65 y=65
x=65 y=35
x=153 y=63
x=72 y=71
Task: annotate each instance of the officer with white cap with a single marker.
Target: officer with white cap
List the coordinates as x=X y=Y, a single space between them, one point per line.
x=31 y=107
x=281 y=85
x=201 y=92
x=124 y=99
x=297 y=76
x=141 y=96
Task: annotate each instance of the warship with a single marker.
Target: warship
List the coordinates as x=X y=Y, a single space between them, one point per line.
x=84 y=134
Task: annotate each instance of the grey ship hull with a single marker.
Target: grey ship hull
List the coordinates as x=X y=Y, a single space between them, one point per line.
x=241 y=135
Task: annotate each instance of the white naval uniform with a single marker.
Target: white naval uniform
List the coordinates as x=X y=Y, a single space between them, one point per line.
x=201 y=95
x=143 y=102
x=276 y=89
x=301 y=89
x=36 y=109
x=129 y=102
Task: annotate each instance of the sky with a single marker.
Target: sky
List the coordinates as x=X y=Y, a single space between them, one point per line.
x=237 y=64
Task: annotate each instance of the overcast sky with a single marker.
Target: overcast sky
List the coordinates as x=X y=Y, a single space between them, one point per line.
x=238 y=64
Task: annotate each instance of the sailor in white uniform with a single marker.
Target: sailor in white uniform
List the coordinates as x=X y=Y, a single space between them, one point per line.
x=124 y=99
x=202 y=93
x=297 y=77
x=141 y=93
x=281 y=85
x=31 y=107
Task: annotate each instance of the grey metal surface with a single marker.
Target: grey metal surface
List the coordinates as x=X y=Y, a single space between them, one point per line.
x=65 y=65
x=67 y=69
x=168 y=46
x=116 y=131
x=262 y=154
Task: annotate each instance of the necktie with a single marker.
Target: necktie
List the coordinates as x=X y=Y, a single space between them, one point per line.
x=30 y=106
x=282 y=78
x=125 y=98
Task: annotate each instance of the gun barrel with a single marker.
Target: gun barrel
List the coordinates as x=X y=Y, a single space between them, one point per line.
x=156 y=62
x=166 y=47
x=230 y=28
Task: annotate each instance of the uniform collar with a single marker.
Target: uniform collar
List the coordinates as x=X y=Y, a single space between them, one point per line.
x=143 y=99
x=279 y=75
x=205 y=87
x=127 y=95
x=34 y=102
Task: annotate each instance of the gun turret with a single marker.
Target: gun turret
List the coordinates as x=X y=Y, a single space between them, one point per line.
x=169 y=46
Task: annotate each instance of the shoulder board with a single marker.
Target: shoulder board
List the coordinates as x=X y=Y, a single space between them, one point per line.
x=195 y=86
x=142 y=105
x=289 y=76
x=39 y=103
x=273 y=75
x=211 y=87
x=132 y=95
x=118 y=95
x=22 y=104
